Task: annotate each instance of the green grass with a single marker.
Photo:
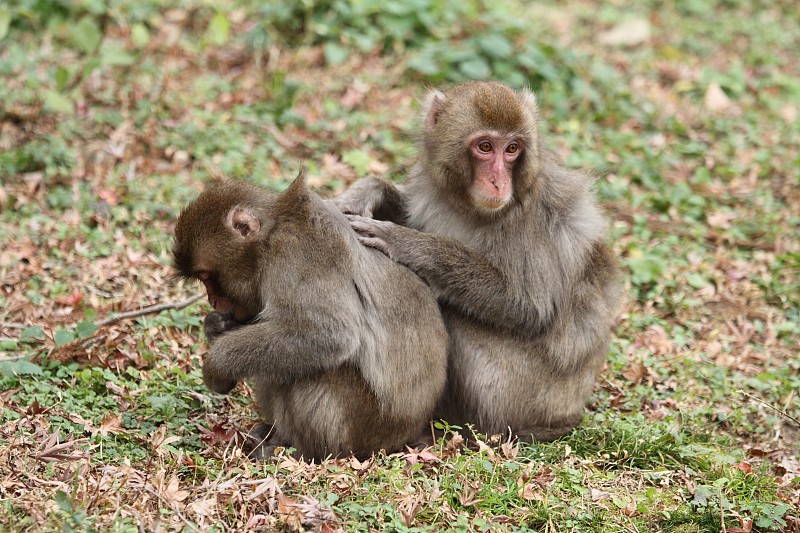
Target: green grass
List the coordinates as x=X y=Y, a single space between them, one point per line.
x=114 y=115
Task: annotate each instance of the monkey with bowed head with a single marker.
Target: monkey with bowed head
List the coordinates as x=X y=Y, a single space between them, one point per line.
x=515 y=249
x=346 y=349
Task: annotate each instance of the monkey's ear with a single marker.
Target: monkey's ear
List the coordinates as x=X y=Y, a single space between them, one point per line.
x=297 y=193
x=242 y=221
x=434 y=105
x=301 y=177
x=529 y=99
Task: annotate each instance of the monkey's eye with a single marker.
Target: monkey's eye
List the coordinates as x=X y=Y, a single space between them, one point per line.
x=485 y=147
x=512 y=148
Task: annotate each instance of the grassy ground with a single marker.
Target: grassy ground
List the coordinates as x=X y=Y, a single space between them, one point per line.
x=115 y=114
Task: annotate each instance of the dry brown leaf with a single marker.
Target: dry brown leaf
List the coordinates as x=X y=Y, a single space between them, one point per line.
x=503 y=519
x=635 y=372
x=50 y=450
x=426 y=456
x=510 y=450
x=483 y=447
x=788 y=112
x=530 y=491
x=409 y=506
x=110 y=196
x=334 y=168
x=789 y=465
x=319 y=517
x=657 y=340
x=206 y=507
x=354 y=94
x=172 y=493
x=361 y=466
x=467 y=495
x=110 y=424
x=289 y=512
x=530 y=486
x=720 y=219
x=260 y=522
x=377 y=167
x=716 y=100
x=454 y=445
x=160 y=440
x=269 y=485
x=3 y=198
x=628 y=33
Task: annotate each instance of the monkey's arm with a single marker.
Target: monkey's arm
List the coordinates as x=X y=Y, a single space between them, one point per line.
x=373 y=198
x=460 y=276
x=276 y=352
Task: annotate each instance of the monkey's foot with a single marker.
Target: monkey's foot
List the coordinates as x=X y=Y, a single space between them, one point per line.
x=261 y=443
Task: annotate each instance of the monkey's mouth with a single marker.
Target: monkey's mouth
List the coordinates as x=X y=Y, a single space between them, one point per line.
x=220 y=303
x=491 y=202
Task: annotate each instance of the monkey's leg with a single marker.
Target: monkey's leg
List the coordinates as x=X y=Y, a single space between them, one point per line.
x=530 y=435
x=550 y=433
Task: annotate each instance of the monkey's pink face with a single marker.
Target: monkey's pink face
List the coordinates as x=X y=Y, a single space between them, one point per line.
x=495 y=156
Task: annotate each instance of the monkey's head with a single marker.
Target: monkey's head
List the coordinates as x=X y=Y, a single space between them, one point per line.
x=218 y=241
x=480 y=145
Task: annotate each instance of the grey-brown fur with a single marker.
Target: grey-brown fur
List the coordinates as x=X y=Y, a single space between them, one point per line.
x=346 y=349
x=529 y=293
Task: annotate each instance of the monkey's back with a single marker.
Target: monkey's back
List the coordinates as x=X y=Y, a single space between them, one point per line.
x=383 y=393
x=404 y=342
x=403 y=315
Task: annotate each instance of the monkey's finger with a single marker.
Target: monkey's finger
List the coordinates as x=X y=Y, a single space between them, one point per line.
x=376 y=243
x=366 y=220
x=366 y=213
x=347 y=210
x=361 y=224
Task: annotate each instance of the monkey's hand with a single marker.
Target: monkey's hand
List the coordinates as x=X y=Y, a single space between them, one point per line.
x=354 y=204
x=370 y=197
x=216 y=324
x=215 y=372
x=378 y=234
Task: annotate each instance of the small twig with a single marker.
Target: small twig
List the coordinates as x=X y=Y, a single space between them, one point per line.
x=113 y=318
x=116 y=317
x=12 y=325
x=12 y=358
x=779 y=411
x=95 y=290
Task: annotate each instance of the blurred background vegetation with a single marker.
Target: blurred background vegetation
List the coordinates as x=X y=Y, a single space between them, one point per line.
x=114 y=114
